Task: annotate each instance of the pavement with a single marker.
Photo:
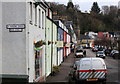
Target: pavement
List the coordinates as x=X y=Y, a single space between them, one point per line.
x=63 y=74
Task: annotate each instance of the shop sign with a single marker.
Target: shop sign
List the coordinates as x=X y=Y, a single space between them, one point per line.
x=59 y=44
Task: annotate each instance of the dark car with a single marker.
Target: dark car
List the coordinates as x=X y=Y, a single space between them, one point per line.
x=88 y=47
x=107 y=52
x=100 y=49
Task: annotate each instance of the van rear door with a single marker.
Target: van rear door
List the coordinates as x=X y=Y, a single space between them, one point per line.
x=99 y=69
x=84 y=69
x=92 y=69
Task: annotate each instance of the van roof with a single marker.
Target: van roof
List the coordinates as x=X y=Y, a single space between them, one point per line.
x=91 y=58
x=92 y=63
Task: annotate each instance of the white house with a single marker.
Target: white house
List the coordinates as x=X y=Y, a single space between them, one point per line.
x=23 y=36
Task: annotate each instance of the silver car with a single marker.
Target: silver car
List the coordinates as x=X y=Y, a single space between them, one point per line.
x=100 y=54
x=79 y=53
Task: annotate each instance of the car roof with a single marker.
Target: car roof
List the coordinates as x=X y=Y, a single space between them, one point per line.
x=91 y=58
x=100 y=51
x=91 y=62
x=79 y=50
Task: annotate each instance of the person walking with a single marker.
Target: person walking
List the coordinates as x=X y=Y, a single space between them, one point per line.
x=84 y=52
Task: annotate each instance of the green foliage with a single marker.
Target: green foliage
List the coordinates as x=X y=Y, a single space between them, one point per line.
x=55 y=70
x=93 y=21
x=70 y=5
x=103 y=42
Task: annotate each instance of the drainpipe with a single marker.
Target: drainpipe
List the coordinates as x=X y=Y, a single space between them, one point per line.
x=52 y=47
x=45 y=48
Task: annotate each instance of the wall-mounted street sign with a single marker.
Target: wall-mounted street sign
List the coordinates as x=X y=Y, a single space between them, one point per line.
x=15 y=26
x=15 y=30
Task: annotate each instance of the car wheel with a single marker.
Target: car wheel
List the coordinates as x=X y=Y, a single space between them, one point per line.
x=104 y=82
x=113 y=57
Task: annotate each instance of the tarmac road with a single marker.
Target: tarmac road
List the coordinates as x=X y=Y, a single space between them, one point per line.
x=112 y=67
x=63 y=75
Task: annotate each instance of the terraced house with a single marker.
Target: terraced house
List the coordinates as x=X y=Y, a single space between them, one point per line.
x=32 y=43
x=23 y=40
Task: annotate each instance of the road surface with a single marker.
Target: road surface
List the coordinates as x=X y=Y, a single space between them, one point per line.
x=112 y=66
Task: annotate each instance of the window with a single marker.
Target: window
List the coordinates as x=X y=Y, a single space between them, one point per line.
x=34 y=10
x=30 y=12
x=35 y=16
x=85 y=65
x=97 y=64
x=38 y=63
x=39 y=18
x=42 y=19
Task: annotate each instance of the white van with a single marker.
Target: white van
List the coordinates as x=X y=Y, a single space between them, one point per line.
x=90 y=69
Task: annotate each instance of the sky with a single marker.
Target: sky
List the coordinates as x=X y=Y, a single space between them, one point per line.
x=85 y=5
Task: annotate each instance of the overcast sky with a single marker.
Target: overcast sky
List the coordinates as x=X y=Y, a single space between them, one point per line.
x=85 y=5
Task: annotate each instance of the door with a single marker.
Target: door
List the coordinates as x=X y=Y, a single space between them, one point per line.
x=98 y=68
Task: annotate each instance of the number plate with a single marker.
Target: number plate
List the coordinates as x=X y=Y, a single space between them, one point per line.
x=92 y=79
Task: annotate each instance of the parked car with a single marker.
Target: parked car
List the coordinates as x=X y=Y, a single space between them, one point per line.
x=107 y=52
x=100 y=54
x=79 y=47
x=114 y=54
x=95 y=49
x=87 y=47
x=90 y=69
x=100 y=49
x=79 y=53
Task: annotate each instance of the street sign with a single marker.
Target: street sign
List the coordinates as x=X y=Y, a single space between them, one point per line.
x=15 y=30
x=15 y=26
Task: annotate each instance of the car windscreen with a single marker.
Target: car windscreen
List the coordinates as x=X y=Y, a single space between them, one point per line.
x=79 y=51
x=100 y=52
x=97 y=64
x=85 y=65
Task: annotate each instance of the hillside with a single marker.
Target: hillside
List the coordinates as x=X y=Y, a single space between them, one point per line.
x=87 y=21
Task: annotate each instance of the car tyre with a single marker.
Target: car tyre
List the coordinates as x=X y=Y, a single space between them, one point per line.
x=104 y=82
x=113 y=57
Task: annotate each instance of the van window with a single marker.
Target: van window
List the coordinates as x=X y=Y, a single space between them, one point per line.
x=97 y=64
x=85 y=65
x=79 y=51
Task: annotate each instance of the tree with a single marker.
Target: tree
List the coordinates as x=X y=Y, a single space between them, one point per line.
x=95 y=8
x=70 y=5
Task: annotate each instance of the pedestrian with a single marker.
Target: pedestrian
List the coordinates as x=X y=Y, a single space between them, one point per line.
x=84 y=52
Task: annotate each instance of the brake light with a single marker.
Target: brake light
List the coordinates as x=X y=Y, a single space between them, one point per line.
x=106 y=71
